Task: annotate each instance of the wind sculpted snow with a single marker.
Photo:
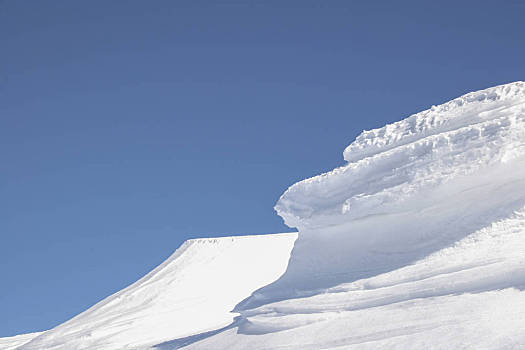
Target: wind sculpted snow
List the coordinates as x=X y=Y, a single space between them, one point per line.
x=193 y=291
x=418 y=242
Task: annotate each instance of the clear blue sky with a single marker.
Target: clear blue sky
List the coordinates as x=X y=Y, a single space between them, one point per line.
x=127 y=127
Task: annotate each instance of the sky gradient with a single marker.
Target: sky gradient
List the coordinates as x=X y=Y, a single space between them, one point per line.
x=127 y=127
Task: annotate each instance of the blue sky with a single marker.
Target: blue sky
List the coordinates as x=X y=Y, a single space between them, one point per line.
x=127 y=127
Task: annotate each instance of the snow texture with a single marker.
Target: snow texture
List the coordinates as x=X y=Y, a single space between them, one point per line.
x=12 y=343
x=418 y=242
x=193 y=291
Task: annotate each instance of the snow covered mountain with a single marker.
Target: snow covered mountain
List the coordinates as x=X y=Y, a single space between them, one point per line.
x=418 y=242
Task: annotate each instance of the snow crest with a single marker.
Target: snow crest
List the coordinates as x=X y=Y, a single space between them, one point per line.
x=416 y=243
x=470 y=109
x=427 y=215
x=392 y=165
x=193 y=291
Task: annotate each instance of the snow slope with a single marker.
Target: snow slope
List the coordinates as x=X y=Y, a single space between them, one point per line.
x=193 y=291
x=11 y=343
x=418 y=242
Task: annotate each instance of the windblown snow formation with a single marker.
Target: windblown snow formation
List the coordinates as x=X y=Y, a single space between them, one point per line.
x=410 y=189
x=388 y=167
x=418 y=242
x=193 y=291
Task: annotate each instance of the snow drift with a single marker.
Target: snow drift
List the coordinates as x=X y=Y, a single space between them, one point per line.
x=418 y=242
x=193 y=291
x=410 y=189
x=12 y=343
x=427 y=217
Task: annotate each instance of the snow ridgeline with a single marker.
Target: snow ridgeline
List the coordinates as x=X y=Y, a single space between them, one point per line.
x=193 y=291
x=389 y=165
x=417 y=243
x=458 y=166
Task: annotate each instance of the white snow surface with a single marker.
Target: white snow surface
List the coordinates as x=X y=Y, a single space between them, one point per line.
x=418 y=242
x=193 y=291
x=12 y=343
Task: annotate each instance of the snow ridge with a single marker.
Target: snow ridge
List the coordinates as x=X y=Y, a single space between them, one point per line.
x=428 y=215
x=416 y=243
x=191 y=292
x=455 y=114
x=392 y=164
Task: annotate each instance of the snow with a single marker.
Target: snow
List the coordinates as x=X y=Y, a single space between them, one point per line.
x=418 y=242
x=487 y=320
x=412 y=156
x=12 y=343
x=193 y=291
x=467 y=110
